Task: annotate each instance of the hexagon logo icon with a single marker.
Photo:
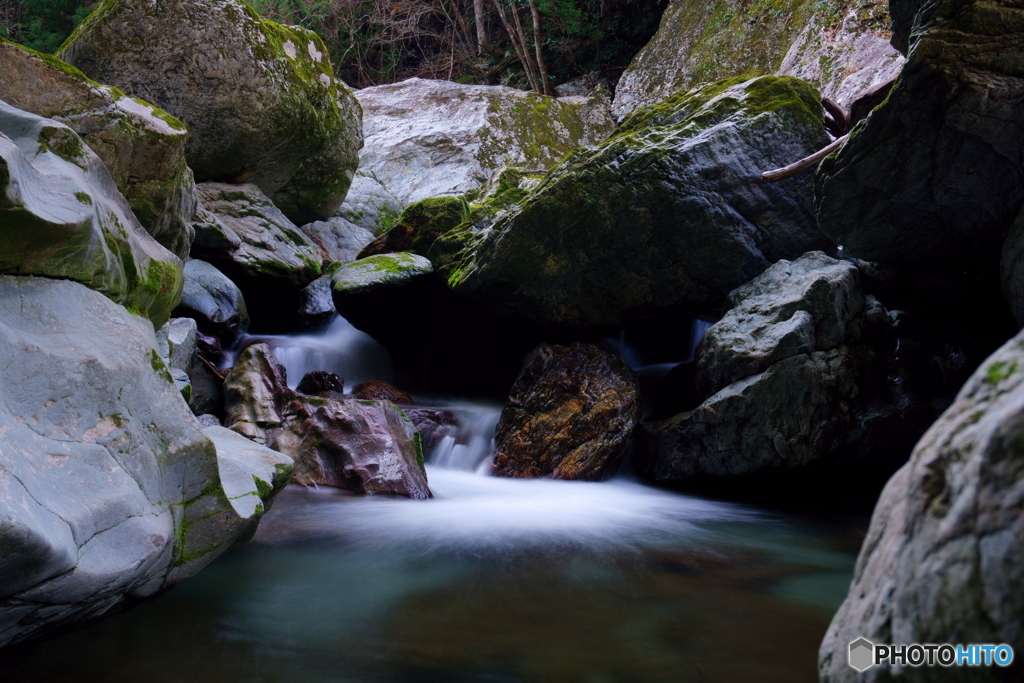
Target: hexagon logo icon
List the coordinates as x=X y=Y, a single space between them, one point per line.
x=862 y=654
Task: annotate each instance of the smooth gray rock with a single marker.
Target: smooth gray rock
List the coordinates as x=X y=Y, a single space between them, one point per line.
x=943 y=561
x=364 y=446
x=794 y=307
x=108 y=487
x=212 y=299
x=429 y=138
x=177 y=342
x=935 y=175
x=338 y=239
x=667 y=215
x=248 y=239
x=261 y=100
x=142 y=147
x=251 y=475
x=316 y=302
x=63 y=217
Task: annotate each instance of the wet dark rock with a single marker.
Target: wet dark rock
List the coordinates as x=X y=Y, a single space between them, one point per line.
x=210 y=347
x=419 y=226
x=570 y=415
x=359 y=445
x=316 y=302
x=935 y=176
x=378 y=390
x=320 y=383
x=677 y=392
x=943 y=558
x=432 y=424
x=213 y=301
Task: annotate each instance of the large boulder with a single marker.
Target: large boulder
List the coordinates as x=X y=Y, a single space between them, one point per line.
x=943 y=561
x=839 y=46
x=260 y=100
x=570 y=415
x=419 y=226
x=142 y=146
x=339 y=239
x=936 y=173
x=109 y=490
x=364 y=446
x=427 y=138
x=668 y=215
x=242 y=234
x=213 y=301
x=786 y=375
x=61 y=216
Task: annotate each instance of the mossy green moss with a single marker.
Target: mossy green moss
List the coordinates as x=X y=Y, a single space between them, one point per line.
x=63 y=142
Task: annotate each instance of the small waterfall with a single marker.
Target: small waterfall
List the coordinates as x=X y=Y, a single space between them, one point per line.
x=697 y=330
x=471 y=446
x=339 y=348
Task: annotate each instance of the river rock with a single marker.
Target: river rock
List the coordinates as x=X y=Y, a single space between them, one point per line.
x=261 y=100
x=943 y=557
x=247 y=238
x=1011 y=269
x=840 y=46
x=428 y=138
x=363 y=446
x=794 y=307
x=419 y=226
x=668 y=215
x=316 y=301
x=64 y=218
x=379 y=390
x=322 y=384
x=214 y=301
x=570 y=415
x=338 y=239
x=936 y=174
x=142 y=146
x=109 y=489
x=251 y=475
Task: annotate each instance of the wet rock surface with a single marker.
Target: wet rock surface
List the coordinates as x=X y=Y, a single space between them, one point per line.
x=377 y=390
x=214 y=301
x=570 y=415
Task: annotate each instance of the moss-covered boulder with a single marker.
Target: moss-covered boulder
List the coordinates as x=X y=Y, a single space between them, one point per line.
x=110 y=492
x=61 y=216
x=667 y=215
x=246 y=237
x=261 y=100
x=841 y=46
x=936 y=173
x=419 y=226
x=142 y=146
x=427 y=138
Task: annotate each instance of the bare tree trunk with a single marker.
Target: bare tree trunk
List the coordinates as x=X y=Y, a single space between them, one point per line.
x=519 y=43
x=530 y=64
x=482 y=43
x=542 y=68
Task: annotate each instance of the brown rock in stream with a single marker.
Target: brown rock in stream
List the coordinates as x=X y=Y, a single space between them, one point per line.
x=569 y=416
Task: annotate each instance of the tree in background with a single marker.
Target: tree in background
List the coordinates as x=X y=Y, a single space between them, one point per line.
x=41 y=24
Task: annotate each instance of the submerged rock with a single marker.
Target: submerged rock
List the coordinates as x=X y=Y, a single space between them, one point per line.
x=141 y=146
x=943 y=558
x=260 y=99
x=247 y=238
x=427 y=138
x=214 y=301
x=666 y=216
x=936 y=174
x=109 y=489
x=839 y=46
x=570 y=415
x=63 y=217
x=363 y=446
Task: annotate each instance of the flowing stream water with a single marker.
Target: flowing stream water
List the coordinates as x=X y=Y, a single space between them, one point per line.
x=493 y=580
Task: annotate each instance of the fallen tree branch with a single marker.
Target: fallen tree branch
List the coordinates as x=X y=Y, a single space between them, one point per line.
x=212 y=368
x=804 y=164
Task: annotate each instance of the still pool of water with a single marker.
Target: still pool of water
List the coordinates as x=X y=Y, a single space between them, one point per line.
x=494 y=580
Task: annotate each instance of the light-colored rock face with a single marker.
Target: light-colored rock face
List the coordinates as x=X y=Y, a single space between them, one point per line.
x=427 y=138
x=142 y=146
x=839 y=46
x=260 y=99
x=570 y=415
x=377 y=272
x=63 y=217
x=943 y=557
x=363 y=446
x=667 y=214
x=108 y=487
x=339 y=239
x=212 y=299
x=792 y=308
x=253 y=243
x=936 y=173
